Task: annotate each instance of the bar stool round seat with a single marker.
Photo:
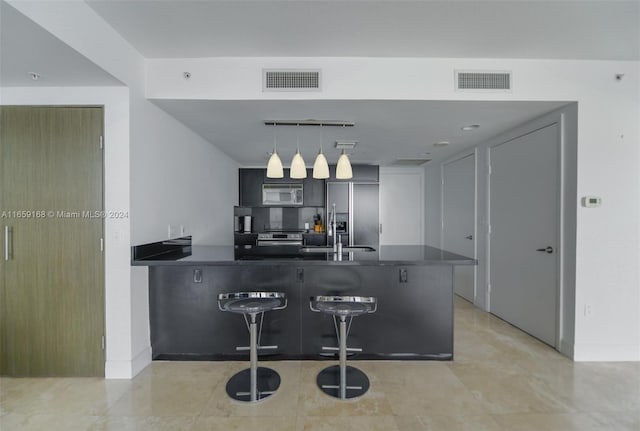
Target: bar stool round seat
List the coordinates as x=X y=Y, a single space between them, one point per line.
x=346 y=308
x=254 y=383
x=342 y=381
x=251 y=305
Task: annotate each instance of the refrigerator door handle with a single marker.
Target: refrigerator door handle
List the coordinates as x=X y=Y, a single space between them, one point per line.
x=380 y=228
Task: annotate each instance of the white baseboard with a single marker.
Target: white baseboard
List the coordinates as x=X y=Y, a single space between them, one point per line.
x=567 y=349
x=606 y=353
x=141 y=361
x=128 y=369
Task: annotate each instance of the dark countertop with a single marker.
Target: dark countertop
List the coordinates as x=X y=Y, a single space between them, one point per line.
x=251 y=255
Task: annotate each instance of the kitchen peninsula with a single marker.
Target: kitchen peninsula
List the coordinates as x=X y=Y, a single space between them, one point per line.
x=413 y=284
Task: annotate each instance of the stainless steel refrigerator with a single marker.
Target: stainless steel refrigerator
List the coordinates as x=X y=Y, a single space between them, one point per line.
x=356 y=212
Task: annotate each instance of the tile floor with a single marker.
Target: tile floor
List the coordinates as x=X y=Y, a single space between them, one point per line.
x=502 y=379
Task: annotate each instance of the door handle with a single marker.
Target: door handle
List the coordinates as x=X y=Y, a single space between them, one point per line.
x=470 y=237
x=7 y=241
x=548 y=249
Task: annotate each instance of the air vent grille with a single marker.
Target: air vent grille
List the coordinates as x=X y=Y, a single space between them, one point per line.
x=291 y=80
x=491 y=81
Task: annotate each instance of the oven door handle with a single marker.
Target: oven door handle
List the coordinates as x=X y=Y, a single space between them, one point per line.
x=278 y=242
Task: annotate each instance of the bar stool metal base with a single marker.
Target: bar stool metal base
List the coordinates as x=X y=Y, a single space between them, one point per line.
x=238 y=386
x=329 y=382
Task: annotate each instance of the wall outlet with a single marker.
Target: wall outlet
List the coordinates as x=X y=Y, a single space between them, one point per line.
x=197 y=276
x=588 y=310
x=403 y=276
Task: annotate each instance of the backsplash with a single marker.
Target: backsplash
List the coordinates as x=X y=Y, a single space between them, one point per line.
x=280 y=218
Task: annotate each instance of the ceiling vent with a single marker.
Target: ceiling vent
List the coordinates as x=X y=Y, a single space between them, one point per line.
x=345 y=145
x=409 y=162
x=483 y=80
x=291 y=80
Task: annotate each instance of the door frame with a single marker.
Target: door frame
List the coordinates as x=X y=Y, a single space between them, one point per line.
x=560 y=215
x=470 y=152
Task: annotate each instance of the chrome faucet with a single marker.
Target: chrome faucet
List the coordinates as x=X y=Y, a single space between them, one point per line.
x=332 y=224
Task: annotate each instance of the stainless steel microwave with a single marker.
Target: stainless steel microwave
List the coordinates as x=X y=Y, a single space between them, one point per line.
x=282 y=194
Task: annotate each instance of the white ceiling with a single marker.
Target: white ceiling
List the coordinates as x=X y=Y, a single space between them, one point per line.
x=385 y=130
x=475 y=29
x=27 y=47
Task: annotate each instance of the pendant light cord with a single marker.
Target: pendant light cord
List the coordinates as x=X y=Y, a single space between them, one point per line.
x=275 y=147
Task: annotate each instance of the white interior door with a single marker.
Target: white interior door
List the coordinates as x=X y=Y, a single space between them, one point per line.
x=458 y=219
x=524 y=216
x=401 y=206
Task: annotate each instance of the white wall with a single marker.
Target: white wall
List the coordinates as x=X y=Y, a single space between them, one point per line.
x=176 y=177
x=402 y=206
x=608 y=239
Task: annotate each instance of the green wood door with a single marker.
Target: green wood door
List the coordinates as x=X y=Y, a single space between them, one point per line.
x=52 y=280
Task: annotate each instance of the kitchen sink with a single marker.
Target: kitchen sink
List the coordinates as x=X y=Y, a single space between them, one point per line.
x=326 y=249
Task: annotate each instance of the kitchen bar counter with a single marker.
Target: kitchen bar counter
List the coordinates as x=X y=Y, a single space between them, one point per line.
x=291 y=255
x=413 y=284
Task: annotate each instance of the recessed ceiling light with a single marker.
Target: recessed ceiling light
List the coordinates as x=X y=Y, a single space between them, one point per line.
x=34 y=75
x=471 y=127
x=441 y=144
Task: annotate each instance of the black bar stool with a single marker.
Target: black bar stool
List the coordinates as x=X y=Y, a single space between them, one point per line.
x=342 y=381
x=255 y=383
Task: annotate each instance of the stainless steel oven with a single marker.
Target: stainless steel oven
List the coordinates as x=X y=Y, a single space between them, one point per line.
x=275 y=239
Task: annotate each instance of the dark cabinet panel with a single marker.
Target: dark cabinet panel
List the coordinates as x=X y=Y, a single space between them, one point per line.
x=414 y=319
x=186 y=322
x=314 y=191
x=251 y=181
x=245 y=238
x=314 y=239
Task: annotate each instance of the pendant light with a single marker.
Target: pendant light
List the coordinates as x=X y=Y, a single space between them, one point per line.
x=298 y=168
x=343 y=170
x=321 y=167
x=274 y=167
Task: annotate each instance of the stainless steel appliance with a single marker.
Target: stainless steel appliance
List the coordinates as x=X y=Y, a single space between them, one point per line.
x=247 y=224
x=357 y=218
x=279 y=239
x=282 y=194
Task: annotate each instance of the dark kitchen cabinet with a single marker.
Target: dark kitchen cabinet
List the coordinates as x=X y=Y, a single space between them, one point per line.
x=414 y=319
x=251 y=181
x=314 y=191
x=314 y=238
x=186 y=322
